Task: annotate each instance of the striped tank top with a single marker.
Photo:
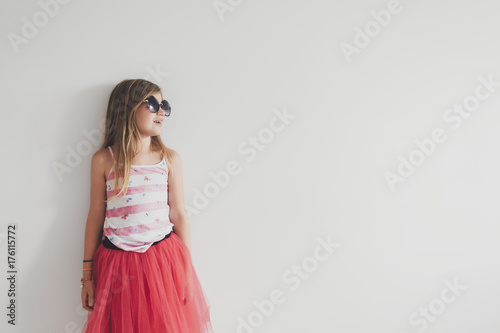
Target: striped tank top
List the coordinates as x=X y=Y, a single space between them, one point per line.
x=140 y=217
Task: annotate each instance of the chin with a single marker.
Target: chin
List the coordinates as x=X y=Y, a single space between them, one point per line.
x=153 y=133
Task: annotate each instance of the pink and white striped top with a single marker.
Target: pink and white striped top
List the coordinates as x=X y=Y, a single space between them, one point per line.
x=140 y=217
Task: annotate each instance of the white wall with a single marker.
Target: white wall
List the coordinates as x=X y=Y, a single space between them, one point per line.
x=322 y=176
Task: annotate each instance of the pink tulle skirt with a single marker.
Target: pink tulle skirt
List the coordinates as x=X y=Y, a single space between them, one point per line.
x=155 y=291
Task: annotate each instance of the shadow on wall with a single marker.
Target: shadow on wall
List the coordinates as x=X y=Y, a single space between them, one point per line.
x=57 y=269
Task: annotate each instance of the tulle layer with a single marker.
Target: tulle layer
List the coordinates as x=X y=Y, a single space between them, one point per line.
x=154 y=291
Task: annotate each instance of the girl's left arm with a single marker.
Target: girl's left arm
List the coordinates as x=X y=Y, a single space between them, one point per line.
x=178 y=214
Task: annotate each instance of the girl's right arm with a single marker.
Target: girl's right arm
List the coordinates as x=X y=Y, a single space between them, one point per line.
x=97 y=210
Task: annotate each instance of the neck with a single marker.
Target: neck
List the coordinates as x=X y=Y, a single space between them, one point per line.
x=144 y=146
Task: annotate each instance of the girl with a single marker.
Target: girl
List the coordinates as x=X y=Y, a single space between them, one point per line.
x=138 y=276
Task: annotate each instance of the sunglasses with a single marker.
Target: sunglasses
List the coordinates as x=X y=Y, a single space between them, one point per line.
x=155 y=107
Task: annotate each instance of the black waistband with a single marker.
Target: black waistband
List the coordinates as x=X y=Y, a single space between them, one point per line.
x=107 y=243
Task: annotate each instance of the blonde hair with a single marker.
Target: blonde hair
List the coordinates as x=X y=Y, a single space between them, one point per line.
x=121 y=129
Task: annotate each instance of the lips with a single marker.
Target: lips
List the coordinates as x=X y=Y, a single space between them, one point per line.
x=157 y=122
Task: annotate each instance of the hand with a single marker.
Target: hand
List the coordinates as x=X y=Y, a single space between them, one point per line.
x=188 y=290
x=188 y=293
x=88 y=295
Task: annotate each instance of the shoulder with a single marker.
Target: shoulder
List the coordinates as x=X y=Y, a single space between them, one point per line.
x=173 y=155
x=101 y=156
x=173 y=159
x=101 y=160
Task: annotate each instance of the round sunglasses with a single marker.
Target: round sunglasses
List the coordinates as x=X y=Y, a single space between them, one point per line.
x=154 y=106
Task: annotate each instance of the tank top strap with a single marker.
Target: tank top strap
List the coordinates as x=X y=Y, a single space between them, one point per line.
x=111 y=151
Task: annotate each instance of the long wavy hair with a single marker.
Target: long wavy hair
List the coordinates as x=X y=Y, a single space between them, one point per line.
x=121 y=128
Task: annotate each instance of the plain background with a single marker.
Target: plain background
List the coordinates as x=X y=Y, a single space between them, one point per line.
x=322 y=175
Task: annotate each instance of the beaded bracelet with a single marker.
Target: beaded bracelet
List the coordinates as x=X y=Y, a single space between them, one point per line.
x=88 y=260
x=85 y=278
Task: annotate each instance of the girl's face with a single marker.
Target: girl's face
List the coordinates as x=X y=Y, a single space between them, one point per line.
x=149 y=123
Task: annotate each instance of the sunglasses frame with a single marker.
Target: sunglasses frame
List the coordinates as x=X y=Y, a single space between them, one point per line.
x=154 y=106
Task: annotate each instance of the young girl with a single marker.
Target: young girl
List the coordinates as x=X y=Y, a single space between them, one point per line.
x=138 y=276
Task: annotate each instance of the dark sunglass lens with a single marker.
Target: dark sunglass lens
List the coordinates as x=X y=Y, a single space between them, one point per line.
x=165 y=106
x=153 y=104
